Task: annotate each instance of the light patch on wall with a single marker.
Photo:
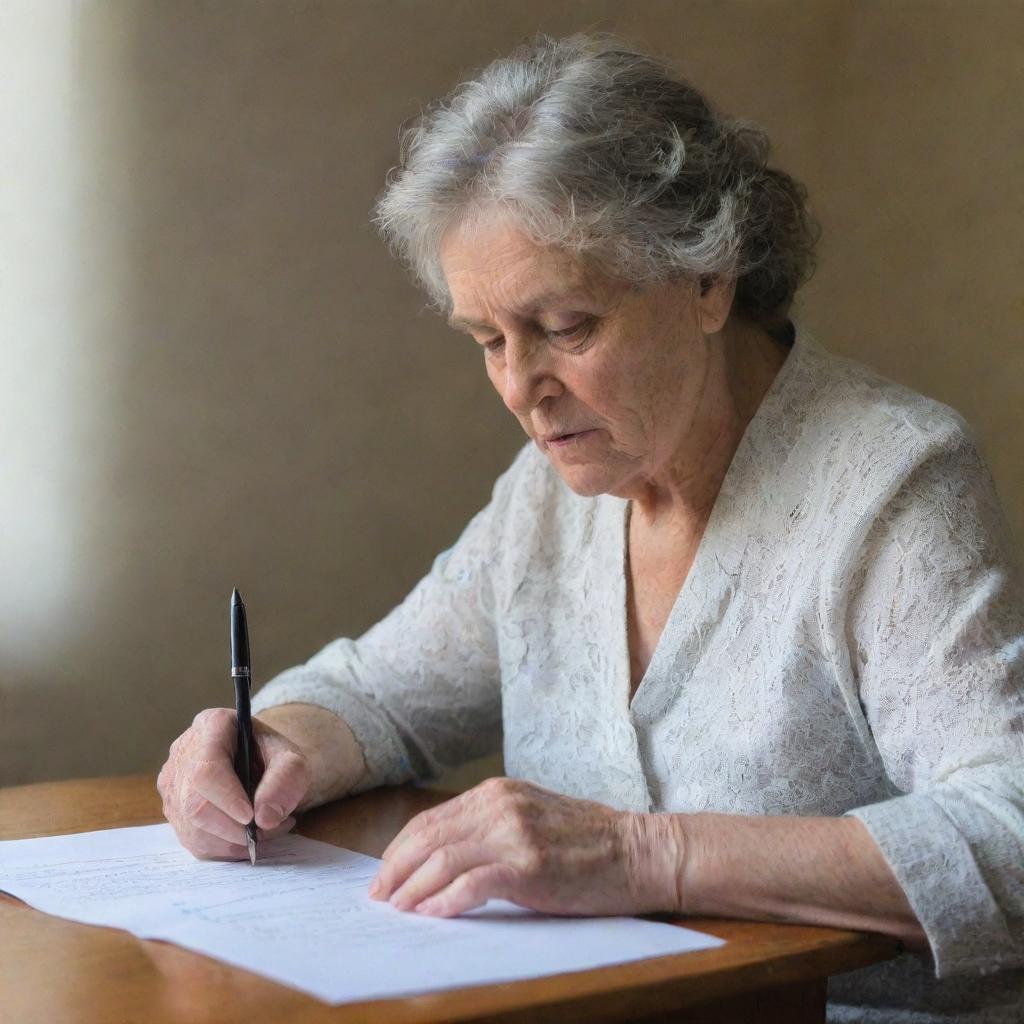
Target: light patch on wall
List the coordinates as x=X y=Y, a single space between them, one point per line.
x=38 y=345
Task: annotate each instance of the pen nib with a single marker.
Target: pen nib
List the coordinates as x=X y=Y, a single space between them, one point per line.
x=250 y=842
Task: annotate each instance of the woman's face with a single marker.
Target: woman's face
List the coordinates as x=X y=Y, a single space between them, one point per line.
x=609 y=382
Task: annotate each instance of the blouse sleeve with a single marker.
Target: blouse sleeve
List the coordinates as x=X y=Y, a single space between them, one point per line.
x=421 y=690
x=936 y=636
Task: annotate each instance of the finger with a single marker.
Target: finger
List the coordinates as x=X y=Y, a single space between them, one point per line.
x=215 y=734
x=469 y=810
x=413 y=828
x=417 y=846
x=436 y=872
x=204 y=816
x=204 y=846
x=215 y=822
x=472 y=889
x=446 y=820
x=402 y=863
x=209 y=843
x=456 y=820
x=279 y=830
x=215 y=779
x=213 y=757
x=225 y=851
x=285 y=782
x=432 y=819
x=207 y=846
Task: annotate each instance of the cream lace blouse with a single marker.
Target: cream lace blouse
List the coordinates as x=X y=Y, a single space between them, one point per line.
x=850 y=640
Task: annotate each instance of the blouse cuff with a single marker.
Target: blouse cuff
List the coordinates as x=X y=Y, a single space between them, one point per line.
x=383 y=753
x=936 y=868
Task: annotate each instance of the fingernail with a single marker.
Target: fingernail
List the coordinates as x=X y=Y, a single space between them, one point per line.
x=425 y=907
x=241 y=814
x=374 y=887
x=274 y=814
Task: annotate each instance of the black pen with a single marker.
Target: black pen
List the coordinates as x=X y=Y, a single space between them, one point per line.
x=247 y=758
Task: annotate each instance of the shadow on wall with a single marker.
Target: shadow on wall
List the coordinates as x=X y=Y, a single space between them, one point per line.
x=260 y=399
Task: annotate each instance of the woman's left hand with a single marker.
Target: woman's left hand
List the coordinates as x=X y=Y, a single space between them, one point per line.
x=512 y=840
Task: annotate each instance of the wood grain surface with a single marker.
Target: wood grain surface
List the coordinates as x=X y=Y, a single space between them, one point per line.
x=52 y=971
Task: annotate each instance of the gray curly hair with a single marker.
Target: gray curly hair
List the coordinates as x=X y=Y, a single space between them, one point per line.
x=597 y=147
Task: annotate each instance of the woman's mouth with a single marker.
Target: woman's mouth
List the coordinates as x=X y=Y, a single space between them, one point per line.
x=563 y=440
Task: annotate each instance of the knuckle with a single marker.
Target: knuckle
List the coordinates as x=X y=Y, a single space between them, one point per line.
x=485 y=882
x=222 y=718
x=469 y=887
x=517 y=829
x=444 y=858
x=532 y=861
x=292 y=763
x=516 y=813
x=194 y=804
x=165 y=787
x=497 y=797
x=201 y=718
x=414 y=848
x=208 y=773
x=212 y=718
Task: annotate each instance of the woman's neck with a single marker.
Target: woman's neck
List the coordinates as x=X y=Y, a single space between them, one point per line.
x=683 y=493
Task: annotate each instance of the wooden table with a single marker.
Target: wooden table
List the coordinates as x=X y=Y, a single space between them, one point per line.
x=54 y=971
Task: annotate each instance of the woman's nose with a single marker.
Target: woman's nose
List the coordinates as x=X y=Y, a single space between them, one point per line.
x=528 y=379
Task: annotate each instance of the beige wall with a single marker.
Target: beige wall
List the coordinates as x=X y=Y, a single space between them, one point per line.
x=214 y=376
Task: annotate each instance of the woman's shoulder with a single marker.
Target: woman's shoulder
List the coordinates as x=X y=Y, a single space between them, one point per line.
x=849 y=412
x=846 y=450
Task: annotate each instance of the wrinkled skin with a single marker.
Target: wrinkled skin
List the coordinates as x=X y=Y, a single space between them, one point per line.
x=512 y=840
x=203 y=799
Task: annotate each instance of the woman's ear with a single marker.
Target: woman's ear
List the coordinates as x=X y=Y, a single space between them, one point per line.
x=715 y=301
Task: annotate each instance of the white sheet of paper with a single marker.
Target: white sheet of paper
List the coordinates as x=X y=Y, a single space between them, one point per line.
x=302 y=916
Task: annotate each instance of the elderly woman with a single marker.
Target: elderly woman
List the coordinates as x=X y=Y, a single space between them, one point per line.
x=744 y=614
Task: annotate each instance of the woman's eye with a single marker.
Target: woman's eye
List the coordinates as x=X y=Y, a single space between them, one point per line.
x=576 y=334
x=573 y=338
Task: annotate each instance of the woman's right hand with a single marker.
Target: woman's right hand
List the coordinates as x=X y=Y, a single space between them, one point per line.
x=203 y=799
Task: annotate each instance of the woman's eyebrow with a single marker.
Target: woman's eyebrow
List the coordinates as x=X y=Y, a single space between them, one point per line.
x=458 y=322
x=531 y=305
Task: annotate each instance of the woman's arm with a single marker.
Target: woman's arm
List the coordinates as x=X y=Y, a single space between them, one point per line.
x=823 y=871
x=510 y=839
x=936 y=634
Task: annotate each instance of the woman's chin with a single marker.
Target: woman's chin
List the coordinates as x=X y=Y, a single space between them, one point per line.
x=586 y=481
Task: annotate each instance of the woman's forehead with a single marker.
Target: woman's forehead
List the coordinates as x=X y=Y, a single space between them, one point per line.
x=500 y=263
